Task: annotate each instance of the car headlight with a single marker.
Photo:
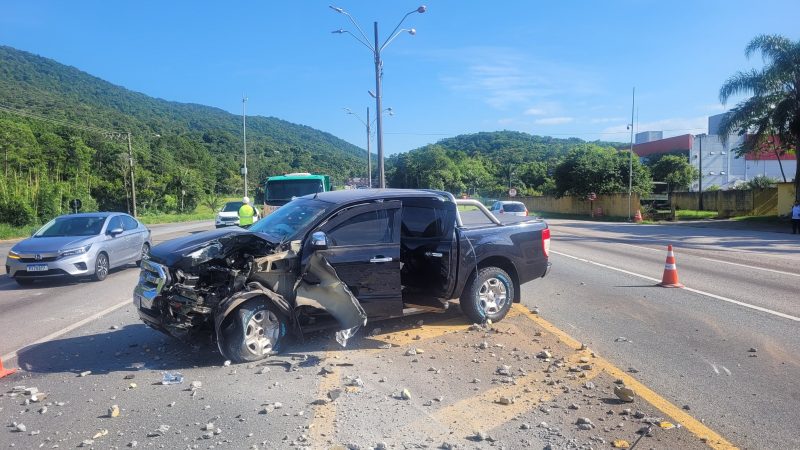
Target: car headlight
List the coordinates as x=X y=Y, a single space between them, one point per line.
x=13 y=255
x=76 y=250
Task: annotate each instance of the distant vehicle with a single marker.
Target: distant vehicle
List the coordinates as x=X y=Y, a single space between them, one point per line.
x=280 y=190
x=77 y=245
x=511 y=208
x=340 y=258
x=228 y=216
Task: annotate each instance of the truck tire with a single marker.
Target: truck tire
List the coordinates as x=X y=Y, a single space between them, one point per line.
x=488 y=295
x=253 y=331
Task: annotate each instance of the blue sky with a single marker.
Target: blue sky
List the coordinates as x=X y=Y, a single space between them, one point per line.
x=561 y=68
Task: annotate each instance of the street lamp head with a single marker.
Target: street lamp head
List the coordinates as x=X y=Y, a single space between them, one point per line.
x=412 y=31
x=371 y=94
x=422 y=9
x=339 y=31
x=338 y=10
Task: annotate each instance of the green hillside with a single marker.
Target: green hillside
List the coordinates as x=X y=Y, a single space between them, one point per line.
x=487 y=163
x=45 y=160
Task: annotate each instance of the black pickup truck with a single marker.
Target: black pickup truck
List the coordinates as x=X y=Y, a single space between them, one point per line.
x=337 y=259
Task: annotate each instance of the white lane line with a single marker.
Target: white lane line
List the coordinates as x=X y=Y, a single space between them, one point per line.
x=696 y=291
x=753 y=267
x=63 y=331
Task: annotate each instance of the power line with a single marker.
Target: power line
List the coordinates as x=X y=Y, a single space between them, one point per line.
x=56 y=121
x=580 y=133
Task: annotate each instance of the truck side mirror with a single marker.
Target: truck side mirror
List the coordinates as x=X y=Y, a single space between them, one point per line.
x=319 y=240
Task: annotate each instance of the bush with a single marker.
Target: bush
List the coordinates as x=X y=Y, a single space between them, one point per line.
x=16 y=212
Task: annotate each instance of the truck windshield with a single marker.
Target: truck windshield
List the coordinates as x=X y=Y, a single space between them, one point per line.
x=288 y=189
x=291 y=220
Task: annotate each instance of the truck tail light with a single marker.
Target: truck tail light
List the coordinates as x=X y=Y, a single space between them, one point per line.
x=546 y=242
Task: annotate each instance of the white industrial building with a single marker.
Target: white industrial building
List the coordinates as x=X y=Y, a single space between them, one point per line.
x=721 y=166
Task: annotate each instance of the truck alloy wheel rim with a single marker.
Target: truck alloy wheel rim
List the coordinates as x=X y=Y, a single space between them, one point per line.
x=493 y=296
x=261 y=332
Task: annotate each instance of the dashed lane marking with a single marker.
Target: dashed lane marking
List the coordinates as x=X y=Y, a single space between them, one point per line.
x=696 y=291
x=694 y=426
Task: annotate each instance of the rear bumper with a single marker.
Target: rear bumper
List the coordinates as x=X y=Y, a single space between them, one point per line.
x=547 y=269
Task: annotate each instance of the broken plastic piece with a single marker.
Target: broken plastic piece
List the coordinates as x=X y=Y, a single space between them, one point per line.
x=171 y=378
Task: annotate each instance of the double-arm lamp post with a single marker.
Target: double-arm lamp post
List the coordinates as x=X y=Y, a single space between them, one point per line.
x=376 y=50
x=368 y=126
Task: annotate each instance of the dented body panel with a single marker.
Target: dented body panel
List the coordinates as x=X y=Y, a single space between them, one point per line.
x=383 y=250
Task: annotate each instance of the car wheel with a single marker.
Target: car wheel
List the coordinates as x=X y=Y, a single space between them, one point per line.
x=24 y=281
x=145 y=252
x=101 y=267
x=254 y=331
x=488 y=295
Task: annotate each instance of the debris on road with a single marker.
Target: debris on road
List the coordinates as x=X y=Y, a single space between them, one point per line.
x=85 y=373
x=625 y=393
x=113 y=411
x=171 y=378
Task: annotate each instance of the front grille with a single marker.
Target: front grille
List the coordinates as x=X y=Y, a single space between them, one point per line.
x=47 y=273
x=152 y=279
x=34 y=260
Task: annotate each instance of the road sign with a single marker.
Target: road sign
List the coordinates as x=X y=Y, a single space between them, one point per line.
x=75 y=204
x=592 y=196
x=512 y=192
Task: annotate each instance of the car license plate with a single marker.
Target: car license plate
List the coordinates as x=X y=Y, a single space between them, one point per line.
x=37 y=268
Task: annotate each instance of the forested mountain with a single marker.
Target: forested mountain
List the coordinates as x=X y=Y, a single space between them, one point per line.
x=487 y=163
x=177 y=146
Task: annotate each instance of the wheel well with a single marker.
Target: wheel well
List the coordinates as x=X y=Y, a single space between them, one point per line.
x=508 y=267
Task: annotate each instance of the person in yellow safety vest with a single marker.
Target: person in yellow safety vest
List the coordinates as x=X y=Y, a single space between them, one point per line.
x=246 y=213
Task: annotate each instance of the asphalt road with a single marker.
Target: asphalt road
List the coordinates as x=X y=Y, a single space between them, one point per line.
x=688 y=347
x=30 y=313
x=693 y=347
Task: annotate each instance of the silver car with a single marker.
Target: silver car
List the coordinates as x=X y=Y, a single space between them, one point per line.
x=87 y=244
x=510 y=208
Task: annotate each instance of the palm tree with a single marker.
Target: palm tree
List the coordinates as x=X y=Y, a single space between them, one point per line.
x=774 y=107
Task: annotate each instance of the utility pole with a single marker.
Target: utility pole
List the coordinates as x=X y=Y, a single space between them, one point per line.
x=244 y=139
x=700 y=185
x=133 y=175
x=369 y=157
x=630 y=158
x=379 y=109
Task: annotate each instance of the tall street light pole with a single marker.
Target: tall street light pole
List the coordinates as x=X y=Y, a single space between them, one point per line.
x=368 y=125
x=376 y=49
x=244 y=140
x=630 y=157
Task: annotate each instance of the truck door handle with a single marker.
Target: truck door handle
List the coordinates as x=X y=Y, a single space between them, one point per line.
x=381 y=259
x=433 y=254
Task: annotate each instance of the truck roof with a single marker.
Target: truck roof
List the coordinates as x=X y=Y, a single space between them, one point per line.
x=353 y=195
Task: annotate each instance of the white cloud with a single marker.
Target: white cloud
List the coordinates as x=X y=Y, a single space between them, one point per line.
x=535 y=112
x=505 y=78
x=505 y=121
x=553 y=120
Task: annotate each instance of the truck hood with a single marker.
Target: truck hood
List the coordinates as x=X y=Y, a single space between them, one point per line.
x=189 y=251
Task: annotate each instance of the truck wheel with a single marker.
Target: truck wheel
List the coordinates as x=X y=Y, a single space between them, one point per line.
x=254 y=331
x=488 y=296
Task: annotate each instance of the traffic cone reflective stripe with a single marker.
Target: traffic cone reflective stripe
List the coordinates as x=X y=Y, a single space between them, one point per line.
x=4 y=372
x=670 y=277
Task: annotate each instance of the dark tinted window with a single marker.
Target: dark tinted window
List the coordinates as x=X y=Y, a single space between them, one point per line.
x=288 y=189
x=373 y=227
x=420 y=221
x=72 y=226
x=514 y=207
x=114 y=223
x=232 y=207
x=129 y=223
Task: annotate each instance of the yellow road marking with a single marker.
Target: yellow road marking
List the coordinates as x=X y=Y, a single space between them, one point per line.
x=694 y=426
x=321 y=426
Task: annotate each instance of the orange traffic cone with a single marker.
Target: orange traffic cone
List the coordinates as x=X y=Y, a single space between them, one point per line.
x=5 y=372
x=638 y=216
x=670 y=278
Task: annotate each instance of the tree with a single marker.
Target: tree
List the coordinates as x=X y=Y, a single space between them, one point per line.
x=774 y=107
x=602 y=170
x=675 y=170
